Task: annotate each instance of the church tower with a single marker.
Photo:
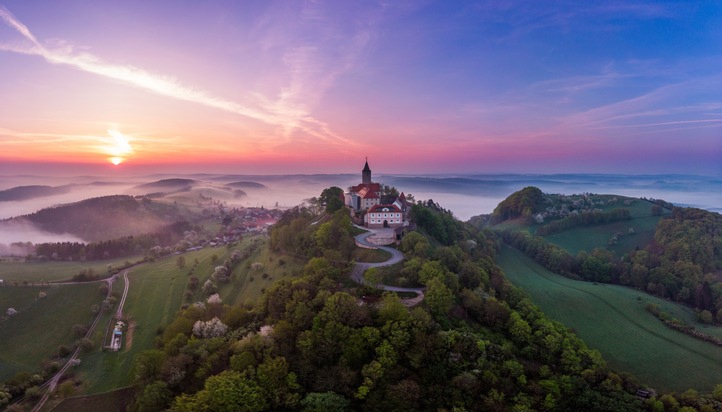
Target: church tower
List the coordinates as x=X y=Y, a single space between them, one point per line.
x=366 y=173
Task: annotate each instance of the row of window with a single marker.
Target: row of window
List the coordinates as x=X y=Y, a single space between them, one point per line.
x=389 y=220
x=386 y=214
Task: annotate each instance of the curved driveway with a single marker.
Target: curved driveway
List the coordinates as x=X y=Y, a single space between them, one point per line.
x=361 y=267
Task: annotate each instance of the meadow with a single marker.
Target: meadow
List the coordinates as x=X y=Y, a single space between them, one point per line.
x=156 y=295
x=42 y=324
x=17 y=270
x=589 y=237
x=613 y=320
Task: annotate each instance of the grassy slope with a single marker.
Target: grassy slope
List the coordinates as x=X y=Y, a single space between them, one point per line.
x=11 y=271
x=42 y=324
x=613 y=320
x=587 y=238
x=249 y=283
x=156 y=295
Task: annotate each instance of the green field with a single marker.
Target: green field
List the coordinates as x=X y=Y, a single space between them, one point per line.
x=613 y=319
x=41 y=325
x=154 y=298
x=156 y=295
x=587 y=238
x=12 y=270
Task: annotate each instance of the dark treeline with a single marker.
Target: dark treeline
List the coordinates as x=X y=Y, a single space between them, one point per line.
x=111 y=249
x=585 y=218
x=474 y=343
x=679 y=264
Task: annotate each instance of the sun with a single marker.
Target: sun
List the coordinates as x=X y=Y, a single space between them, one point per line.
x=118 y=147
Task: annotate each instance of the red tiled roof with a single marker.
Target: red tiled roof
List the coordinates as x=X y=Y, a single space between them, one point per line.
x=374 y=187
x=379 y=208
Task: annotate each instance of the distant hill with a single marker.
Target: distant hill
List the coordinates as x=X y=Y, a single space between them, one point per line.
x=167 y=185
x=524 y=203
x=103 y=218
x=247 y=185
x=31 y=192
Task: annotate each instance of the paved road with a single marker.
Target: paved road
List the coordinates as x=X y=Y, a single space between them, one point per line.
x=361 y=267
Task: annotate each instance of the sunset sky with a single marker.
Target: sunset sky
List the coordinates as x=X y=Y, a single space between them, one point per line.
x=313 y=87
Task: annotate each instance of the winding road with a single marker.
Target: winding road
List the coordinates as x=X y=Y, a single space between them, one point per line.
x=361 y=267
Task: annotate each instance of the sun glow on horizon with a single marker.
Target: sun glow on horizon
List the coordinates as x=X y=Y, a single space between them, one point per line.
x=119 y=148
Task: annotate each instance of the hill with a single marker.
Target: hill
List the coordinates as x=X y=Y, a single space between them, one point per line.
x=247 y=185
x=106 y=217
x=167 y=185
x=614 y=320
x=31 y=192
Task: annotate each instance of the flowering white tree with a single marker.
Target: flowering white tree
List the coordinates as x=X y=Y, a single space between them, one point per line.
x=11 y=312
x=210 y=329
x=214 y=298
x=210 y=287
x=221 y=274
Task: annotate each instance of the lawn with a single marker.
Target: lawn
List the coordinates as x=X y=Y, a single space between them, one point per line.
x=613 y=319
x=370 y=255
x=41 y=325
x=20 y=271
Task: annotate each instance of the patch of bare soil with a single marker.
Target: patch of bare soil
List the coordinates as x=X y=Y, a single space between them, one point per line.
x=129 y=335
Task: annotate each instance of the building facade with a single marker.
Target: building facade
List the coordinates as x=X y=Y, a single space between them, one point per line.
x=384 y=216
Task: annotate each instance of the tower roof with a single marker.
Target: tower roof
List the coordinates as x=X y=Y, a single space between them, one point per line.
x=366 y=166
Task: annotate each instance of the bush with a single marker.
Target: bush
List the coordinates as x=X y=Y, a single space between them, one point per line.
x=63 y=351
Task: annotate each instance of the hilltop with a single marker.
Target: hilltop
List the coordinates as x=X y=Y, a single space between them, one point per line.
x=31 y=192
x=103 y=218
x=168 y=185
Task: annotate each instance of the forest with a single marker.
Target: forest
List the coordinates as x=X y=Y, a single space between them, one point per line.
x=312 y=343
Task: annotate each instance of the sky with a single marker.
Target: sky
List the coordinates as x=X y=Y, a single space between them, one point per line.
x=418 y=87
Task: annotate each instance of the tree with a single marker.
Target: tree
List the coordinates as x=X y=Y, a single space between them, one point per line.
x=180 y=262
x=148 y=365
x=155 y=397
x=438 y=297
x=324 y=402
x=331 y=199
x=228 y=391
x=86 y=344
x=67 y=389
x=80 y=330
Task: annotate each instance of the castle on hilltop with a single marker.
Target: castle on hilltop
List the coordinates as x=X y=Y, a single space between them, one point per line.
x=365 y=201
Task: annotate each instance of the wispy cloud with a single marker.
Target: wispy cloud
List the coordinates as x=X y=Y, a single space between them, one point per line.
x=289 y=112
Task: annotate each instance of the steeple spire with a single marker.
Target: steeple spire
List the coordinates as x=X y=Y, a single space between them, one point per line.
x=366 y=173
